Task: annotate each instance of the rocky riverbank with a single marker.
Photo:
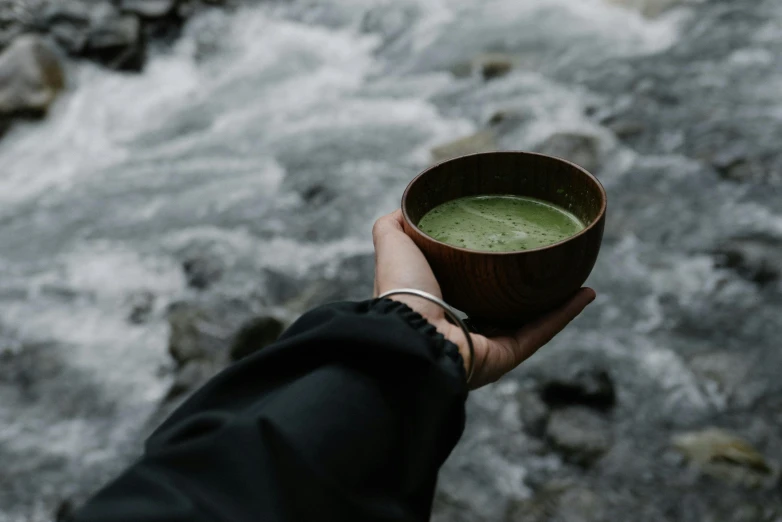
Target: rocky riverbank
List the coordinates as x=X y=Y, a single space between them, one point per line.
x=35 y=36
x=173 y=220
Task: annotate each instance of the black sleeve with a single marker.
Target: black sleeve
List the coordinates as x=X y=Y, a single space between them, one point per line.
x=347 y=417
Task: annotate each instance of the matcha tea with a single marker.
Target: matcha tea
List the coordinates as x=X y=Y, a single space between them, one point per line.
x=499 y=223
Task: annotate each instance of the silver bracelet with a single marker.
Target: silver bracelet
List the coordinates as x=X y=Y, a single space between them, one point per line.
x=448 y=312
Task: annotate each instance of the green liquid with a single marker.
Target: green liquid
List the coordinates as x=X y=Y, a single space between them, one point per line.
x=499 y=223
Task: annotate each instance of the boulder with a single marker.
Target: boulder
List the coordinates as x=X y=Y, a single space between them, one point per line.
x=202 y=272
x=31 y=77
x=254 y=335
x=205 y=338
x=116 y=39
x=579 y=384
x=196 y=334
x=483 y=141
x=626 y=128
x=579 y=434
x=493 y=66
x=732 y=161
x=69 y=25
x=726 y=456
x=581 y=149
x=190 y=377
x=317 y=194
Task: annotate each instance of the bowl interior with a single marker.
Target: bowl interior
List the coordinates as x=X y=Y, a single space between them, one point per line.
x=515 y=173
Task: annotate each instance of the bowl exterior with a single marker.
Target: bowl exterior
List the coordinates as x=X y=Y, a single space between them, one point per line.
x=511 y=288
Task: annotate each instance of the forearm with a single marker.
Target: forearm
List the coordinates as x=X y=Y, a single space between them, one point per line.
x=348 y=416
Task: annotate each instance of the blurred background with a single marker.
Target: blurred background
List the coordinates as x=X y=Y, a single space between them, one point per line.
x=178 y=176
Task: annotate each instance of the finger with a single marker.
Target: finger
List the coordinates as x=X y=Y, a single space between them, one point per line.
x=387 y=224
x=541 y=331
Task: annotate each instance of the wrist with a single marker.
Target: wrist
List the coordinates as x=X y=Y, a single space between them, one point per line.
x=435 y=316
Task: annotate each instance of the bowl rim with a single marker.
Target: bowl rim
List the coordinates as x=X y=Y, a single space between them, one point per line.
x=598 y=219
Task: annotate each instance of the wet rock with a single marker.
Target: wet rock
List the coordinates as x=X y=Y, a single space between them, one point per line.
x=505 y=121
x=191 y=377
x=483 y=141
x=581 y=435
x=534 y=413
x=499 y=117
x=583 y=384
x=31 y=77
x=11 y=26
x=149 y=8
x=732 y=161
x=116 y=39
x=196 y=334
x=494 y=66
x=141 y=306
x=757 y=258
x=205 y=337
x=626 y=129
x=255 y=335
x=201 y=272
x=726 y=456
x=581 y=149
x=281 y=288
x=317 y=194
x=68 y=24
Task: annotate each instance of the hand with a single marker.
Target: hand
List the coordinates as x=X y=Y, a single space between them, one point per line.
x=400 y=264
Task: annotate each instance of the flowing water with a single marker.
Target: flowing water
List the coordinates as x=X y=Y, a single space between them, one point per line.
x=272 y=136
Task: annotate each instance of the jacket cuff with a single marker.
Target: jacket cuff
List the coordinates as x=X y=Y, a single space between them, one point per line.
x=440 y=345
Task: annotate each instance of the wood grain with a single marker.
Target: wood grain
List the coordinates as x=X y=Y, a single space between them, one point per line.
x=509 y=288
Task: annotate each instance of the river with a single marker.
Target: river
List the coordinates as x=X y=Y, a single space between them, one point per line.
x=272 y=136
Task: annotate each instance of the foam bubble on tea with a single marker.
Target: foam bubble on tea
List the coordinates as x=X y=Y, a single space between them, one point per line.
x=499 y=223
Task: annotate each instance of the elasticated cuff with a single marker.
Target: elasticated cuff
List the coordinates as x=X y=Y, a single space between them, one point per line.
x=440 y=345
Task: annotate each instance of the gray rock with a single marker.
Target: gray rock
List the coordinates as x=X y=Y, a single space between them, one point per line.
x=581 y=149
x=205 y=338
x=757 y=258
x=317 y=194
x=191 y=377
x=254 y=335
x=494 y=66
x=31 y=77
x=626 y=129
x=483 y=141
x=149 y=8
x=581 y=435
x=726 y=456
x=116 y=39
x=196 y=334
x=581 y=383
x=202 y=272
x=69 y=24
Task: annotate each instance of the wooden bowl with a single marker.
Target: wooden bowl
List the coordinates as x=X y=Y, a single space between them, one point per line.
x=509 y=288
